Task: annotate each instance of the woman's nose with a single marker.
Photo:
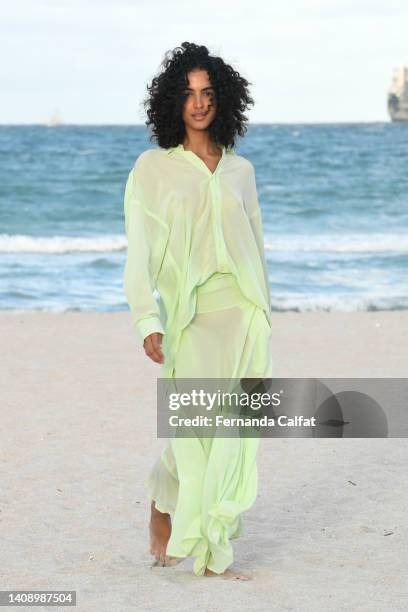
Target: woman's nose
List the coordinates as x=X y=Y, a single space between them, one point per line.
x=198 y=102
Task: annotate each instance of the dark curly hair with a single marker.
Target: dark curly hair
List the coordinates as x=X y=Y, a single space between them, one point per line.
x=165 y=100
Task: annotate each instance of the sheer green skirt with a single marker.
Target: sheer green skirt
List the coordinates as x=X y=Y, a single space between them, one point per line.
x=205 y=484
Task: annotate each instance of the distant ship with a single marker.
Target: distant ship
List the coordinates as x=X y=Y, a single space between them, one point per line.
x=55 y=120
x=397 y=100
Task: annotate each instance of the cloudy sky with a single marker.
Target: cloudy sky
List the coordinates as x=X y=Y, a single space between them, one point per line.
x=307 y=60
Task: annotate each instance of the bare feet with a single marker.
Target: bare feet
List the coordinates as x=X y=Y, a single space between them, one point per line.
x=228 y=575
x=160 y=531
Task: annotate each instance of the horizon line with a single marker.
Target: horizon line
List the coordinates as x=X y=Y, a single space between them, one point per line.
x=253 y=123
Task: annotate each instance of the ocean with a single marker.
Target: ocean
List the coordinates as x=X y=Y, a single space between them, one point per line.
x=334 y=200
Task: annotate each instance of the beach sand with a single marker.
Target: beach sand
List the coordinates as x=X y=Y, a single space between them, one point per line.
x=328 y=530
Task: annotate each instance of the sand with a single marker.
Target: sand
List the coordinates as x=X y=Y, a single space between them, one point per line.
x=328 y=530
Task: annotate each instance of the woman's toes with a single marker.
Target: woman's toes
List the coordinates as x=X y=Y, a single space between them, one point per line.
x=172 y=560
x=229 y=574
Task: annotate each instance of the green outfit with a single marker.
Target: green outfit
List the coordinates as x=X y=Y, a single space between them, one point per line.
x=197 y=238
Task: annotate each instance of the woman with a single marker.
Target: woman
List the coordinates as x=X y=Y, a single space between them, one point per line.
x=194 y=231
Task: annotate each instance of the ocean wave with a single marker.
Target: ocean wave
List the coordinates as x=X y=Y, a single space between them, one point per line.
x=351 y=243
x=356 y=243
x=297 y=304
x=339 y=303
x=57 y=245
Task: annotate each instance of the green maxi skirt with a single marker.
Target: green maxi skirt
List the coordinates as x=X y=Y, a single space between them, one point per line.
x=205 y=484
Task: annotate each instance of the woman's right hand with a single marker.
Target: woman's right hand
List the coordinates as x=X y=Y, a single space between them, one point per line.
x=152 y=346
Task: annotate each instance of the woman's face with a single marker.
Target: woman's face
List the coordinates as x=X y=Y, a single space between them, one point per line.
x=199 y=107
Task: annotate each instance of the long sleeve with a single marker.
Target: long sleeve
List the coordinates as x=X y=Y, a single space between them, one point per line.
x=255 y=218
x=137 y=280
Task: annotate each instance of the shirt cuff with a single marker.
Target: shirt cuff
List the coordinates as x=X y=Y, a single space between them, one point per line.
x=148 y=326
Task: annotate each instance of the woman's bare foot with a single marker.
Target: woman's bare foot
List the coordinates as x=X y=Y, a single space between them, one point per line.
x=228 y=575
x=160 y=531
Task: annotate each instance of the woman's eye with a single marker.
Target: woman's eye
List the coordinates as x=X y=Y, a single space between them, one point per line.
x=207 y=93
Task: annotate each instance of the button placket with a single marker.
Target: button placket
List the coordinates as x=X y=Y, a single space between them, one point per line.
x=217 y=223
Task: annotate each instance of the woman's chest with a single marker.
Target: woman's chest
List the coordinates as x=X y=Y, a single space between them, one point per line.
x=194 y=200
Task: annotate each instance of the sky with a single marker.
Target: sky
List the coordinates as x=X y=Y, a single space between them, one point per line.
x=307 y=60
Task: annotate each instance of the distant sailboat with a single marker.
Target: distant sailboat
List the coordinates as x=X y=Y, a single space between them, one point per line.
x=397 y=101
x=55 y=120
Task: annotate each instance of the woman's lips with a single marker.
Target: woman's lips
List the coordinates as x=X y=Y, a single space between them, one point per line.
x=199 y=116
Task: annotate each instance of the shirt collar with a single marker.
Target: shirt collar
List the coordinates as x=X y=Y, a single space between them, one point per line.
x=181 y=148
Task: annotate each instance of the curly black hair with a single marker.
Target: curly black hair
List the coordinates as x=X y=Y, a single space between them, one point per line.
x=165 y=100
